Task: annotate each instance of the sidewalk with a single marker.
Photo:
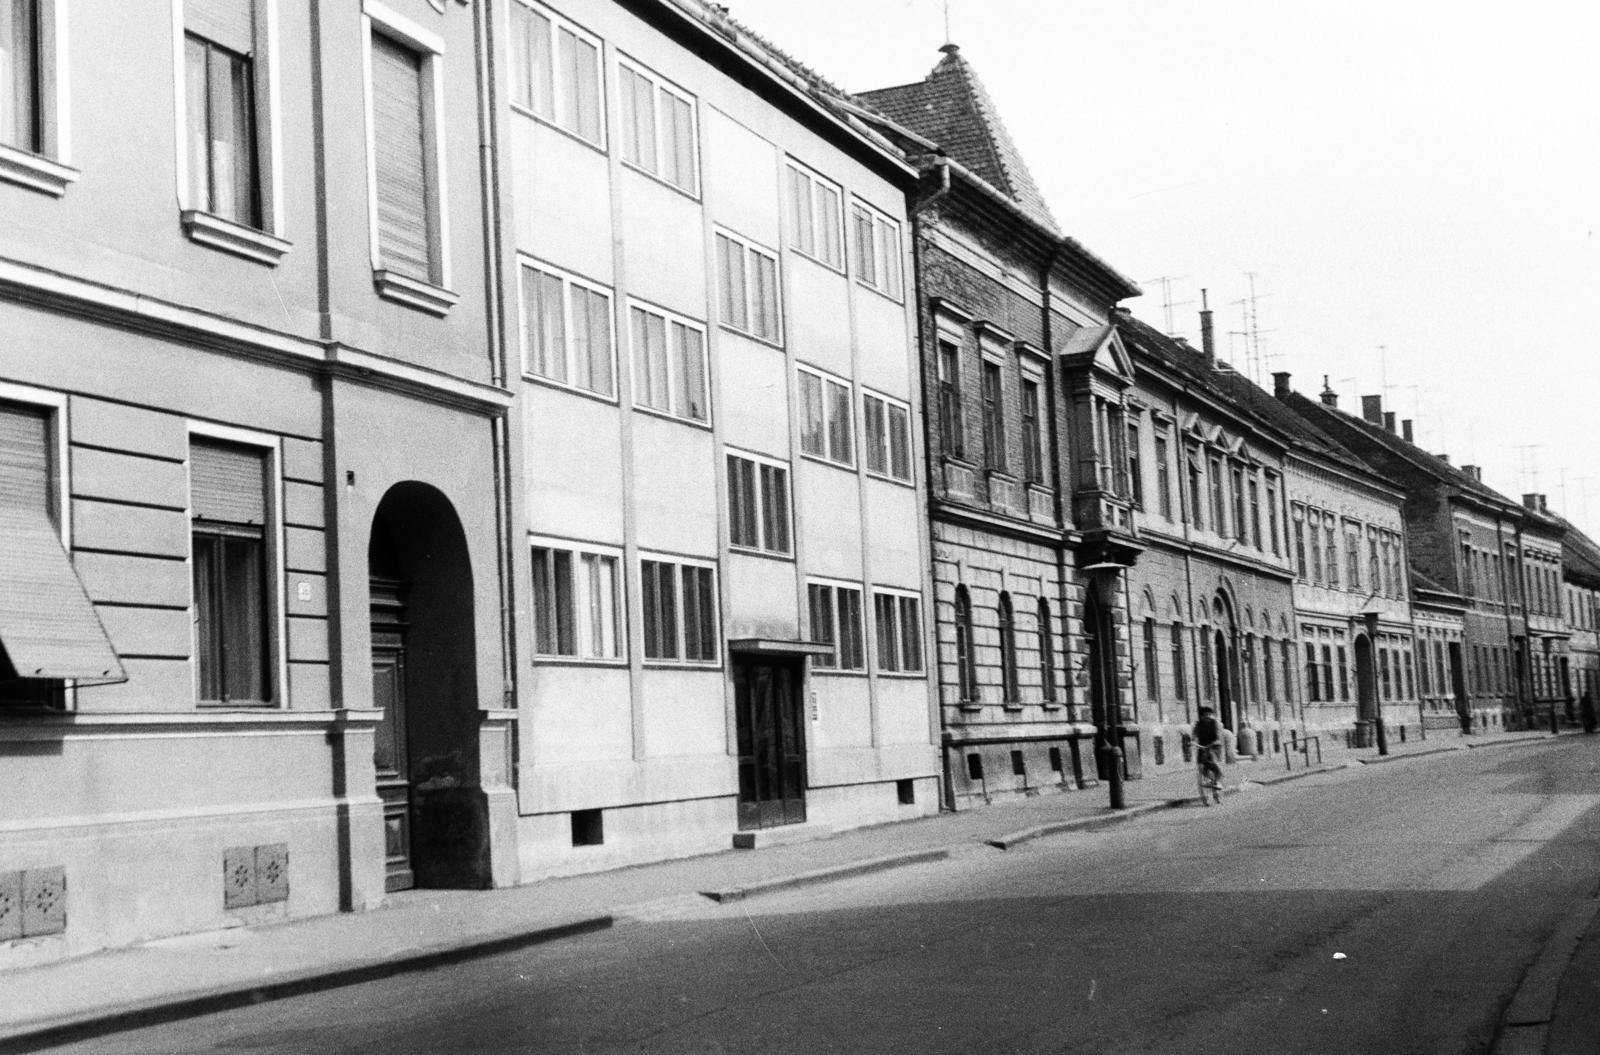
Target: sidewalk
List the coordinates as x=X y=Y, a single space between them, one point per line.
x=197 y=974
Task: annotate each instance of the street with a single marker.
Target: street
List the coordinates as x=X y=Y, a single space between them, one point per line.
x=1387 y=908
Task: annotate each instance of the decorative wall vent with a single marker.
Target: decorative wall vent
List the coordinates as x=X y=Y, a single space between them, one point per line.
x=255 y=875
x=33 y=903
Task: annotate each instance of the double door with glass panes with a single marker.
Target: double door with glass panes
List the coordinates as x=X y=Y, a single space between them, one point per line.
x=393 y=770
x=772 y=750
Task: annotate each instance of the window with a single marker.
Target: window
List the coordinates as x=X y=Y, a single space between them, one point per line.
x=994 y=426
x=1315 y=531
x=680 y=611
x=1272 y=511
x=1196 y=499
x=887 y=424
x=1163 y=477
x=33 y=142
x=758 y=504
x=220 y=109
x=1327 y=672
x=1008 y=650
x=1047 y=652
x=1302 y=567
x=898 y=616
x=566 y=330
x=1352 y=555
x=669 y=363
x=748 y=288
x=1219 y=502
x=1344 y=674
x=826 y=430
x=877 y=251
x=1135 y=476
x=966 y=660
x=1255 y=513
x=228 y=499
x=1208 y=673
x=1266 y=667
x=836 y=621
x=1180 y=688
x=950 y=424
x=657 y=126
x=1240 y=527
x=1331 y=552
x=1032 y=446
x=405 y=145
x=815 y=217
x=1312 y=693
x=1152 y=673
x=555 y=72
x=576 y=597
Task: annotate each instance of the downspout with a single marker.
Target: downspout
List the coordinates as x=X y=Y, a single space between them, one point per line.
x=1063 y=507
x=1184 y=511
x=1520 y=669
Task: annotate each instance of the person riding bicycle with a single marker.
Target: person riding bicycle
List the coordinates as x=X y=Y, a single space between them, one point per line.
x=1208 y=743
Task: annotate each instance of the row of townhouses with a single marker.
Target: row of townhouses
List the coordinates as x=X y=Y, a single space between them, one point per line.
x=454 y=444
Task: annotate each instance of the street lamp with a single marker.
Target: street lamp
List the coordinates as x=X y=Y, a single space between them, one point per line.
x=1370 y=618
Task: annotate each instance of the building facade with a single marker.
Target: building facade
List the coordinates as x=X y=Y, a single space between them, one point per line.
x=251 y=396
x=722 y=574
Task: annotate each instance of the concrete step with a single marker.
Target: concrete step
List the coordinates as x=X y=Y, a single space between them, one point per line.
x=781 y=836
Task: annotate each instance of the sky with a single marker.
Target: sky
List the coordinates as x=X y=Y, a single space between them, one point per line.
x=1415 y=187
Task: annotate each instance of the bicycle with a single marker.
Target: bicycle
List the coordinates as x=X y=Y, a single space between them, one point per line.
x=1208 y=773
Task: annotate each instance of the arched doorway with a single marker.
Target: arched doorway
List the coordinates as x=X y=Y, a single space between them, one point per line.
x=424 y=679
x=1224 y=675
x=1102 y=675
x=1366 y=692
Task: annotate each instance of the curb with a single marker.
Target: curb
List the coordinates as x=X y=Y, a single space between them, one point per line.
x=1017 y=838
x=1380 y=760
x=1301 y=774
x=824 y=875
x=1521 y=741
x=37 y=1035
x=1525 y=1026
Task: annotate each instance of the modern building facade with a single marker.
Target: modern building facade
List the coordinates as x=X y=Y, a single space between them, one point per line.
x=722 y=569
x=251 y=394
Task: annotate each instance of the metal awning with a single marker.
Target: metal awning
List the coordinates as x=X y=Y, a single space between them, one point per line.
x=774 y=646
x=47 y=625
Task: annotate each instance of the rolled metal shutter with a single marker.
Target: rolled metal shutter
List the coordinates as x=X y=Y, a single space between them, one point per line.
x=404 y=242
x=229 y=23
x=227 y=483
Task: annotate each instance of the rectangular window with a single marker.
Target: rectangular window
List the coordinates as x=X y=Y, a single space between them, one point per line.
x=887 y=442
x=951 y=428
x=898 y=619
x=1180 y=676
x=1302 y=566
x=1272 y=511
x=228 y=535
x=669 y=363
x=748 y=288
x=1352 y=556
x=994 y=425
x=1164 y=476
x=1218 y=500
x=826 y=429
x=1331 y=552
x=405 y=162
x=836 y=622
x=816 y=219
x=1032 y=441
x=758 y=504
x=21 y=81
x=555 y=71
x=1315 y=531
x=1241 y=529
x=1196 y=494
x=566 y=330
x=220 y=111
x=1255 y=513
x=680 y=611
x=877 y=251
x=1135 y=474
x=576 y=597
x=657 y=125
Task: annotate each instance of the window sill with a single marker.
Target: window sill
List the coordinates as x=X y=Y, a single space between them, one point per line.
x=822 y=459
x=667 y=415
x=35 y=171
x=904 y=675
x=230 y=237
x=692 y=195
x=541 y=660
x=762 y=554
x=770 y=342
x=837 y=269
x=413 y=293
x=891 y=297
x=835 y=672
x=540 y=119
x=889 y=478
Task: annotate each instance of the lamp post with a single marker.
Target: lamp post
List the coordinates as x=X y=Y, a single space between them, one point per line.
x=1370 y=618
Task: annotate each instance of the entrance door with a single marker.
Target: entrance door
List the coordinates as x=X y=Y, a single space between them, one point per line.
x=1225 y=683
x=389 y=754
x=1458 y=686
x=772 y=748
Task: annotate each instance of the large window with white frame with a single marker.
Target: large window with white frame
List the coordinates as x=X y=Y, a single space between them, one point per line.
x=886 y=436
x=657 y=126
x=897 y=615
x=826 y=425
x=816 y=218
x=555 y=71
x=577 y=600
x=747 y=283
x=678 y=597
x=836 y=621
x=758 y=504
x=877 y=250
x=566 y=330
x=227 y=100
x=33 y=103
x=669 y=362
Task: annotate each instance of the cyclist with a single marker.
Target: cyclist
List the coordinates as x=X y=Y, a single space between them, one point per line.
x=1208 y=749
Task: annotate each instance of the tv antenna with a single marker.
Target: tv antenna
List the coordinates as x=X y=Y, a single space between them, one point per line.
x=1167 y=303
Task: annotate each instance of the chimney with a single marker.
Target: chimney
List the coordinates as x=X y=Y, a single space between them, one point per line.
x=1372 y=409
x=1444 y=458
x=1207 y=341
x=1405 y=431
x=1536 y=502
x=1388 y=420
x=1280 y=384
x=1473 y=471
x=1330 y=398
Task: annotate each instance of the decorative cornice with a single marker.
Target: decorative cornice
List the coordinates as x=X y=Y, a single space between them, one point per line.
x=35 y=171
x=235 y=238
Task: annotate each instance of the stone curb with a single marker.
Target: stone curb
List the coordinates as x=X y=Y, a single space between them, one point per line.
x=1521 y=741
x=47 y=1033
x=1301 y=774
x=1017 y=838
x=1525 y=1026
x=825 y=875
x=1381 y=760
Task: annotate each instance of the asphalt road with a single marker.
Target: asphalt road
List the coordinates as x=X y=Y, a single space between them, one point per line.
x=1391 y=909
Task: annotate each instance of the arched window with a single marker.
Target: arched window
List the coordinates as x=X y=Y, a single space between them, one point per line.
x=966 y=672
x=1047 y=652
x=1152 y=673
x=1207 y=671
x=1311 y=673
x=1266 y=667
x=1180 y=688
x=1008 y=650
x=1250 y=677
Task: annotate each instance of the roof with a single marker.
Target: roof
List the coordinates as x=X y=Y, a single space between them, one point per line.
x=952 y=108
x=1580 y=554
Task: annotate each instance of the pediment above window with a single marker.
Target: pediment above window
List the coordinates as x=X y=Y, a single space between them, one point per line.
x=1097 y=352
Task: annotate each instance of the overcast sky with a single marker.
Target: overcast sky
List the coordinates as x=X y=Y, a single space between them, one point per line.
x=1418 y=176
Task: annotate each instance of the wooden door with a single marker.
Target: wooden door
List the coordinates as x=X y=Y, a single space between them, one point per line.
x=391 y=753
x=771 y=734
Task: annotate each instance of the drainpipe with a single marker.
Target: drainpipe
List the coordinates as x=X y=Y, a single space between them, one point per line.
x=1063 y=505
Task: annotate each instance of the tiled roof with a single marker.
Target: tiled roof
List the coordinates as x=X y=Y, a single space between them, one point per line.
x=951 y=107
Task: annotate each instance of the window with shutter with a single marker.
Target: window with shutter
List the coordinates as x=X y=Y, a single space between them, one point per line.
x=406 y=241
x=219 y=48
x=228 y=502
x=21 y=92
